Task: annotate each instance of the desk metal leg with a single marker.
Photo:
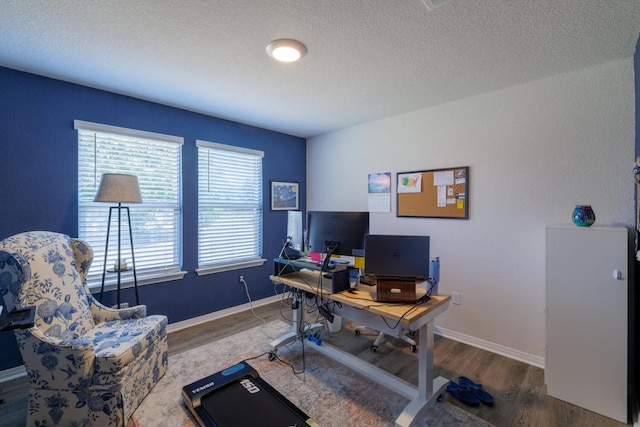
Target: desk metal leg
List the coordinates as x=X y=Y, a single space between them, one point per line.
x=298 y=327
x=428 y=387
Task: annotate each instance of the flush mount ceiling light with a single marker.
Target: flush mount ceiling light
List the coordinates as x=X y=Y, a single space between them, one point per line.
x=286 y=50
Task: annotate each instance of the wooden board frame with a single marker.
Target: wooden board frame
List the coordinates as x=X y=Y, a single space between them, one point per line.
x=434 y=193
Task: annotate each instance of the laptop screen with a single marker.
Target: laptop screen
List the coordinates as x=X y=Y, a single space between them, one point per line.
x=391 y=255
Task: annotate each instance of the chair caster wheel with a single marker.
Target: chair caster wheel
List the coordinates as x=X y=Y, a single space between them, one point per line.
x=272 y=356
x=357 y=332
x=414 y=349
x=374 y=349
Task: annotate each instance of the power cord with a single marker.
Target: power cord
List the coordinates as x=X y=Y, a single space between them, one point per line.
x=283 y=267
x=432 y=284
x=285 y=245
x=273 y=356
x=246 y=290
x=418 y=304
x=301 y=328
x=285 y=301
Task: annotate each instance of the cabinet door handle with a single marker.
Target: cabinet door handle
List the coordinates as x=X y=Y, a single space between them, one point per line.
x=617 y=274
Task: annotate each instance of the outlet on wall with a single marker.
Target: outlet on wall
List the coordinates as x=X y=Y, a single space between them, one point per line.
x=456 y=298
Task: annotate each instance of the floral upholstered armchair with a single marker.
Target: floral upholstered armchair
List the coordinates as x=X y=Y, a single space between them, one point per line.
x=88 y=365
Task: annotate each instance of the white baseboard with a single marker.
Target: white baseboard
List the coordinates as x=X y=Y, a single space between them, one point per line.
x=13 y=373
x=194 y=321
x=492 y=347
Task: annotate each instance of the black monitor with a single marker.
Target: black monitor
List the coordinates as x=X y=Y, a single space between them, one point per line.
x=295 y=230
x=340 y=233
x=402 y=256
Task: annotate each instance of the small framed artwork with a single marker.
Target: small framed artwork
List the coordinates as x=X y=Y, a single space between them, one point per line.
x=285 y=196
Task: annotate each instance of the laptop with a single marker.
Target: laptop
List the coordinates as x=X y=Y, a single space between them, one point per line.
x=397 y=262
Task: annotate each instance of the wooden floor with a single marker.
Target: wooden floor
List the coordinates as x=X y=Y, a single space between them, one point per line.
x=518 y=388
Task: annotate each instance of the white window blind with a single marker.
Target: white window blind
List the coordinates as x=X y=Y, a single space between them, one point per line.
x=156 y=223
x=229 y=207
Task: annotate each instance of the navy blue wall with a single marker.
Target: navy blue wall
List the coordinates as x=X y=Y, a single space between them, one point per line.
x=38 y=175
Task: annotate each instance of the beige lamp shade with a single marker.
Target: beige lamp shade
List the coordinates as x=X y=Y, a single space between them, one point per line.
x=118 y=188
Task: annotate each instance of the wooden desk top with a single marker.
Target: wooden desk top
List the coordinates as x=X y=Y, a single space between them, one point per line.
x=361 y=298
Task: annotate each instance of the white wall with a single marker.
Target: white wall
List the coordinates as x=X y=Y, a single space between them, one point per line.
x=534 y=152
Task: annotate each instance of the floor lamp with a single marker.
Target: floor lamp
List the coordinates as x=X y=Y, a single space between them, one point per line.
x=119 y=188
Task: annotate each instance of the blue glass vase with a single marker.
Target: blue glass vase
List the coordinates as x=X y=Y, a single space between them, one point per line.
x=583 y=216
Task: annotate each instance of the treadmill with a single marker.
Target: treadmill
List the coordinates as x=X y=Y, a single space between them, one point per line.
x=237 y=396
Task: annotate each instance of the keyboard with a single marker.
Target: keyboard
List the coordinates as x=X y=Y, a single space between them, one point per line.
x=367 y=281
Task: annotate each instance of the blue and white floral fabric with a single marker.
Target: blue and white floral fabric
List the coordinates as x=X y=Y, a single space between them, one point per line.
x=88 y=365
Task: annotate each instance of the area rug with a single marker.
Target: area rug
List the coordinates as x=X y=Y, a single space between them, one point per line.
x=330 y=393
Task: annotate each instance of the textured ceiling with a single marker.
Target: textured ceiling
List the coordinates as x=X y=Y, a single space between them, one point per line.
x=366 y=59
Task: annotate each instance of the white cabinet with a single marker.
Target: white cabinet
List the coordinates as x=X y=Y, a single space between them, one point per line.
x=587 y=312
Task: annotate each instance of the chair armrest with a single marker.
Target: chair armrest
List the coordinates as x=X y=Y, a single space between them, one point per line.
x=79 y=345
x=102 y=313
x=105 y=314
x=55 y=360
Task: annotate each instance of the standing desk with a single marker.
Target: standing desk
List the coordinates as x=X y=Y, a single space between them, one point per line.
x=360 y=307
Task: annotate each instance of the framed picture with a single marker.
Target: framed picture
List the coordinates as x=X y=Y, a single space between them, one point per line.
x=285 y=196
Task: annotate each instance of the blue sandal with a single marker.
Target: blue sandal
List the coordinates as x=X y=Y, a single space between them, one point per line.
x=477 y=391
x=463 y=394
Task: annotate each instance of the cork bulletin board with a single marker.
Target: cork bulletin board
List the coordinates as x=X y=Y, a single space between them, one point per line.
x=436 y=193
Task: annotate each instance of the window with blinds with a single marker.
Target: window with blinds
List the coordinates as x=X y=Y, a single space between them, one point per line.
x=156 y=223
x=229 y=207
